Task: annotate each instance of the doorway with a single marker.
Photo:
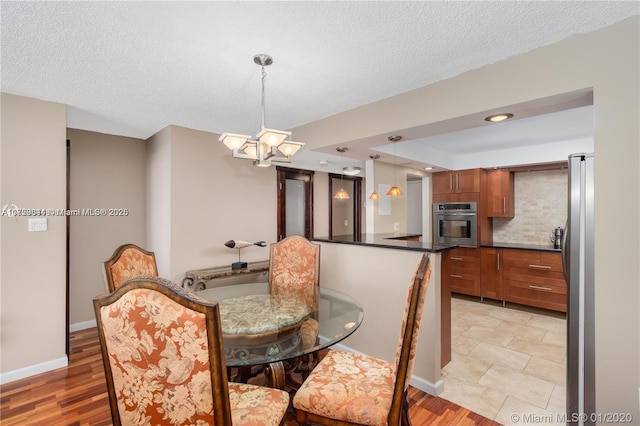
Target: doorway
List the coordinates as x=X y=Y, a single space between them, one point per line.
x=345 y=215
x=295 y=202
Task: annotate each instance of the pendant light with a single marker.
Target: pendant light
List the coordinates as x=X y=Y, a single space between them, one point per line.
x=270 y=144
x=374 y=195
x=395 y=190
x=342 y=194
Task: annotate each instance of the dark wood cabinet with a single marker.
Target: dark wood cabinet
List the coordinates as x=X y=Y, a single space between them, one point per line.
x=491 y=265
x=456 y=182
x=534 y=278
x=499 y=193
x=461 y=270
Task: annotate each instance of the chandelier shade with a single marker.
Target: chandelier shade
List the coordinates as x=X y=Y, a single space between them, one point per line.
x=395 y=191
x=270 y=144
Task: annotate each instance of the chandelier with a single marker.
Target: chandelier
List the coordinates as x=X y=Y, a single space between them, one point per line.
x=271 y=145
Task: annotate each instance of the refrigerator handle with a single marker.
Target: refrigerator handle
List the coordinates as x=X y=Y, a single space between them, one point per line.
x=565 y=252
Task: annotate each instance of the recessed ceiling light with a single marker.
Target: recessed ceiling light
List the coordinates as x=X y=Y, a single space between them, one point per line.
x=495 y=118
x=351 y=171
x=428 y=168
x=323 y=162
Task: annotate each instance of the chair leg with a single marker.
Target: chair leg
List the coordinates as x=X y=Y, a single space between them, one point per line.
x=301 y=417
x=405 y=420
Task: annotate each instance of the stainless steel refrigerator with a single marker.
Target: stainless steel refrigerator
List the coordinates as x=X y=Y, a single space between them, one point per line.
x=578 y=257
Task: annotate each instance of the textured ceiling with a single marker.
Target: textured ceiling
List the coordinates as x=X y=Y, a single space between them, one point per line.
x=132 y=68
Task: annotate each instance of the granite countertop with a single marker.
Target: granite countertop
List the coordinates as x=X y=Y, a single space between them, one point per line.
x=518 y=246
x=390 y=240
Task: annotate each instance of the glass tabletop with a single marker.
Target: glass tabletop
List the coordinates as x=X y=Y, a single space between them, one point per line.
x=259 y=328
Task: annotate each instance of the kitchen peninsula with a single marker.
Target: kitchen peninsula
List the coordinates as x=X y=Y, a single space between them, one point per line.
x=376 y=270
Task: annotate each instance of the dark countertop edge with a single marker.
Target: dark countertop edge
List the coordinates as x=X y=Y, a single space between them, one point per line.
x=389 y=240
x=517 y=246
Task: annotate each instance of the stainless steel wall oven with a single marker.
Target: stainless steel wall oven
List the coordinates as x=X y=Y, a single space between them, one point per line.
x=455 y=223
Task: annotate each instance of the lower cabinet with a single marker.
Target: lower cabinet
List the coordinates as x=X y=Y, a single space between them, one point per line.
x=527 y=277
x=534 y=278
x=462 y=270
x=491 y=260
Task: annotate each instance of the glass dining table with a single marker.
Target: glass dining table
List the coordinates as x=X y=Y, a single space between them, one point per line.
x=260 y=329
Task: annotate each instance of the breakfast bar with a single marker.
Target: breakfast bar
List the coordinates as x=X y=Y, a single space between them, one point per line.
x=377 y=268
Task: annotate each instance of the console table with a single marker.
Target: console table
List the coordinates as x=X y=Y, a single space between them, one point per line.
x=196 y=279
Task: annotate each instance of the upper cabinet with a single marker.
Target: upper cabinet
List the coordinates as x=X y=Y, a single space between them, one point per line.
x=499 y=193
x=456 y=182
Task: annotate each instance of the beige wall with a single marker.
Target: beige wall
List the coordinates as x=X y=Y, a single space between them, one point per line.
x=159 y=199
x=363 y=273
x=32 y=278
x=541 y=206
x=607 y=61
x=212 y=198
x=321 y=204
x=388 y=174
x=106 y=172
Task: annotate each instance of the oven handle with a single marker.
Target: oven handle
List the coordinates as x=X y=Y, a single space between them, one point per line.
x=456 y=214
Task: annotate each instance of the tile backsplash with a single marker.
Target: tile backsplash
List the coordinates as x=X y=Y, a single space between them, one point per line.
x=540 y=206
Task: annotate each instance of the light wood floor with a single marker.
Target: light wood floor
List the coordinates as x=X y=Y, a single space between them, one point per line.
x=77 y=395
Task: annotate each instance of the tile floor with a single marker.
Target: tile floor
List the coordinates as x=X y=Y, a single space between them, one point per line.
x=507 y=364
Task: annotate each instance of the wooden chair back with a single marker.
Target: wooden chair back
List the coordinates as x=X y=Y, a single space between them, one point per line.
x=348 y=389
x=294 y=269
x=408 y=341
x=128 y=261
x=163 y=355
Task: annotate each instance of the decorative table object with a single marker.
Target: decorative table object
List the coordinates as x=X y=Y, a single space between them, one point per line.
x=239 y=244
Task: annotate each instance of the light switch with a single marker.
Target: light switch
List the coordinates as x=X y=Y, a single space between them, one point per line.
x=396 y=226
x=346 y=222
x=37 y=224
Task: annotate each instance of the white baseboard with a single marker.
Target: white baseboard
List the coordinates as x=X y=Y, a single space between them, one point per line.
x=32 y=370
x=417 y=382
x=434 y=389
x=21 y=373
x=82 y=325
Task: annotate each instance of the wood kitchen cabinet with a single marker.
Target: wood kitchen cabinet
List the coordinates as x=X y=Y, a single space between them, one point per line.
x=455 y=182
x=534 y=278
x=491 y=265
x=461 y=270
x=499 y=193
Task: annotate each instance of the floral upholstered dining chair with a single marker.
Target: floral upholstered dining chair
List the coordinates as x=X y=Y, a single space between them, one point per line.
x=164 y=361
x=128 y=261
x=347 y=388
x=294 y=269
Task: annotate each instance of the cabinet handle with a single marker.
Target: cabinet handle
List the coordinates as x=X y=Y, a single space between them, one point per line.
x=535 y=287
x=539 y=266
x=504 y=205
x=451 y=182
x=457 y=181
x=498 y=261
x=455 y=276
x=455 y=258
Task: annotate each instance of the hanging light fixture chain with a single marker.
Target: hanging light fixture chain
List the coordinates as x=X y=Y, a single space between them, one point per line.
x=264 y=77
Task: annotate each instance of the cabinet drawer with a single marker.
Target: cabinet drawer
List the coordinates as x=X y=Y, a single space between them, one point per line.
x=534 y=261
x=542 y=295
x=535 y=278
x=462 y=270
x=465 y=283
